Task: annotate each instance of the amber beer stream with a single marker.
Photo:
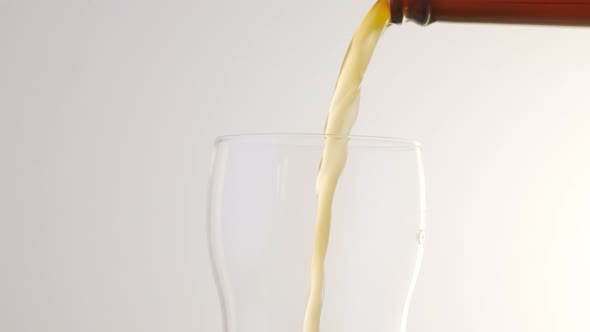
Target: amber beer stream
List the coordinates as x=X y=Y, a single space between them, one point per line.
x=341 y=117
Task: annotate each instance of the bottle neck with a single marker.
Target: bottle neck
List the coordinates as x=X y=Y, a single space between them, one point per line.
x=549 y=12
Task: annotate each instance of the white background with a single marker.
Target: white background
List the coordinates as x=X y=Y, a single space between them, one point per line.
x=108 y=110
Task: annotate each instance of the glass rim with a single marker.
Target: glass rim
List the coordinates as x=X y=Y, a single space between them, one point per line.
x=363 y=140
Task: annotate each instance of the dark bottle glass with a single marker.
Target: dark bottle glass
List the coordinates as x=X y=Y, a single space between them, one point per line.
x=548 y=12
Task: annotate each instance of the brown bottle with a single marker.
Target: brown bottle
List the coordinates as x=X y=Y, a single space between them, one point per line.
x=550 y=12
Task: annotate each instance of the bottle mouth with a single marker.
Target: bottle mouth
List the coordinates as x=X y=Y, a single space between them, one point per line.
x=396 y=8
x=413 y=10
